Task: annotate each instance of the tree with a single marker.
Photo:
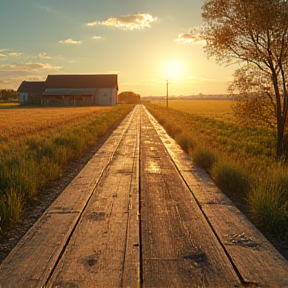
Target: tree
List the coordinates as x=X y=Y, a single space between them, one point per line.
x=254 y=103
x=6 y=94
x=256 y=32
x=128 y=97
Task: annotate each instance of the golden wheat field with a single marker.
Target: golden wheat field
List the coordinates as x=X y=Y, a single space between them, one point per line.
x=36 y=145
x=15 y=123
x=215 y=109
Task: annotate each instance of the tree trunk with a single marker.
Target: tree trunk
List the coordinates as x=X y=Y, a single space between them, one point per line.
x=280 y=118
x=280 y=137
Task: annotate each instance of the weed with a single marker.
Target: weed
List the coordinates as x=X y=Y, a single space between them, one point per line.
x=231 y=179
x=204 y=157
x=186 y=141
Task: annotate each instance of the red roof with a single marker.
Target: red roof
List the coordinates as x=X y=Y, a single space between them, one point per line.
x=32 y=86
x=82 y=81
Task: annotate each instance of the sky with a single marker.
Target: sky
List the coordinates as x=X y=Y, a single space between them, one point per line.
x=145 y=42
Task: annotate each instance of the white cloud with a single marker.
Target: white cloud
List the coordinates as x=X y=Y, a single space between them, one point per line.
x=15 y=54
x=12 y=75
x=128 y=22
x=185 y=38
x=69 y=41
x=97 y=38
x=193 y=36
x=28 y=67
x=43 y=55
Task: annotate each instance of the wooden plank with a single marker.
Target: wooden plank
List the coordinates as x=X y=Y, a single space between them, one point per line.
x=179 y=249
x=131 y=273
x=31 y=262
x=256 y=260
x=103 y=250
x=34 y=258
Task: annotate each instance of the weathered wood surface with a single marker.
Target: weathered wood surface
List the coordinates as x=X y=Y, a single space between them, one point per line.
x=104 y=249
x=191 y=234
x=179 y=248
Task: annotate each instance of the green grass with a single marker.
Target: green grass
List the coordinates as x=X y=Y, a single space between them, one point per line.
x=240 y=160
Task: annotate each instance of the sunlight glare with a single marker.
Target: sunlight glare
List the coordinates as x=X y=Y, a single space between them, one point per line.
x=174 y=69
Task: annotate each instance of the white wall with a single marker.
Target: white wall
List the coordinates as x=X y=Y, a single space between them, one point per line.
x=22 y=97
x=107 y=97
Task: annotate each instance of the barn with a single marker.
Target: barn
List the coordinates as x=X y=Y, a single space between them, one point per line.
x=80 y=90
x=31 y=91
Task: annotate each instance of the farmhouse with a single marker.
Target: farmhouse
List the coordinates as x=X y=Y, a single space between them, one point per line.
x=77 y=90
x=31 y=91
x=71 y=90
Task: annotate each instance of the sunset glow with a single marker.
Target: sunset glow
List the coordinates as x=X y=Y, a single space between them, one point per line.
x=174 y=69
x=140 y=41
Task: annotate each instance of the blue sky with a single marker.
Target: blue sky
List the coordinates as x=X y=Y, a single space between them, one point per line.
x=144 y=41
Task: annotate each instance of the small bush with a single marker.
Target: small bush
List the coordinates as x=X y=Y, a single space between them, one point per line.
x=168 y=128
x=204 y=158
x=10 y=207
x=161 y=121
x=176 y=130
x=268 y=202
x=231 y=179
x=185 y=141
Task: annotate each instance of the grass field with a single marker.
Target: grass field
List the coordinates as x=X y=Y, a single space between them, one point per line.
x=241 y=160
x=214 y=109
x=36 y=144
x=4 y=105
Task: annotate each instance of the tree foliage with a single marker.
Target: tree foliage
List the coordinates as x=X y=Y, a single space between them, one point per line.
x=256 y=32
x=6 y=94
x=128 y=97
x=254 y=101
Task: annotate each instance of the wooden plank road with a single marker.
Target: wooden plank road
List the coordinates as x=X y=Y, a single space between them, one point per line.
x=190 y=234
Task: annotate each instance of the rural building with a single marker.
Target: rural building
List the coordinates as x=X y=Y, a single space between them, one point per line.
x=78 y=90
x=71 y=90
x=31 y=91
x=128 y=98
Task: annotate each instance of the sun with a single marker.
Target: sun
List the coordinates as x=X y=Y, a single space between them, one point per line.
x=174 y=69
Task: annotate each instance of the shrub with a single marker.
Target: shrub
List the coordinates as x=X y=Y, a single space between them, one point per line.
x=204 y=157
x=10 y=207
x=268 y=203
x=231 y=179
x=186 y=141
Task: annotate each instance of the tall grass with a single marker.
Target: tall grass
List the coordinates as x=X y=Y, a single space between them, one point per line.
x=240 y=160
x=32 y=159
x=268 y=201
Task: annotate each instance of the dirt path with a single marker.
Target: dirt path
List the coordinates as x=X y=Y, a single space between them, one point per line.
x=139 y=214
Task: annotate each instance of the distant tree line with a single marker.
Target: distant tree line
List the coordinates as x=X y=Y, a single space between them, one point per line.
x=128 y=97
x=8 y=94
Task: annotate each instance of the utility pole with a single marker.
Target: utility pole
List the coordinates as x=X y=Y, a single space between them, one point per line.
x=167 y=83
